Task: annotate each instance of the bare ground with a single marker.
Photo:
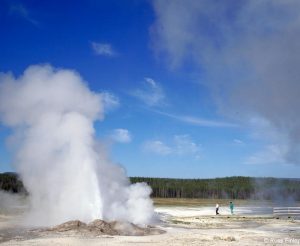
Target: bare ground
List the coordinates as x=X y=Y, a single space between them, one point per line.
x=183 y=226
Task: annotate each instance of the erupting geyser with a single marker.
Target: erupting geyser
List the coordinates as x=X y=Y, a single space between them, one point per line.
x=51 y=112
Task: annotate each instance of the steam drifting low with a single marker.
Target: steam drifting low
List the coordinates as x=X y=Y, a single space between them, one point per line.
x=65 y=170
x=248 y=54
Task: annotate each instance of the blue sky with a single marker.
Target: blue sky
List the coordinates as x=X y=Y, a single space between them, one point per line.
x=183 y=77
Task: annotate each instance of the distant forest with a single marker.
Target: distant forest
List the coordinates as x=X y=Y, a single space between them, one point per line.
x=11 y=182
x=218 y=188
x=224 y=188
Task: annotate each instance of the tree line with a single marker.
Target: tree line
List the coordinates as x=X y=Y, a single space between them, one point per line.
x=224 y=188
x=217 y=188
x=11 y=182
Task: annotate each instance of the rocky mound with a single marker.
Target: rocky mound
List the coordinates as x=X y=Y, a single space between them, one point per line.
x=101 y=227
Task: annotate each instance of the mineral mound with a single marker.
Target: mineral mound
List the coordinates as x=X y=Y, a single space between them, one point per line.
x=101 y=227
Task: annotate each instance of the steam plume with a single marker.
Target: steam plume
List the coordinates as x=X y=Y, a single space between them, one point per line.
x=248 y=54
x=67 y=174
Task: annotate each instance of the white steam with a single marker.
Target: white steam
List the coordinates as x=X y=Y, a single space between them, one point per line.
x=248 y=53
x=65 y=171
x=12 y=203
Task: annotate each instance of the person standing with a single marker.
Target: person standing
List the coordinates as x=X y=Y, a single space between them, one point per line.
x=217 y=209
x=231 y=206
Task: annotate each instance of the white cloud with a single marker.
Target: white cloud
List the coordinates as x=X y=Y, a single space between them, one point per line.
x=157 y=147
x=185 y=146
x=197 y=121
x=121 y=135
x=152 y=94
x=20 y=10
x=238 y=141
x=104 y=49
x=180 y=145
x=110 y=101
